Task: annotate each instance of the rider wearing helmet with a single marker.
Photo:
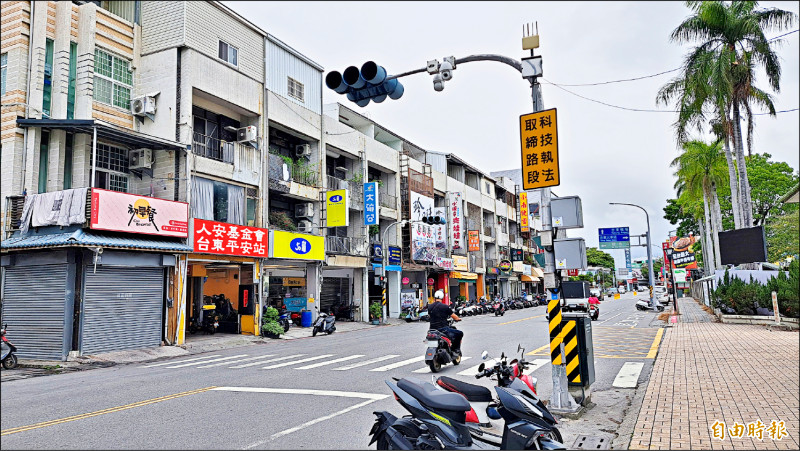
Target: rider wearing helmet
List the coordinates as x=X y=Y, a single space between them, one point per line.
x=439 y=313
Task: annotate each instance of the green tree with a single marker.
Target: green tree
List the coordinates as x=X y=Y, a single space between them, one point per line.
x=783 y=236
x=657 y=263
x=675 y=214
x=769 y=180
x=596 y=257
x=719 y=74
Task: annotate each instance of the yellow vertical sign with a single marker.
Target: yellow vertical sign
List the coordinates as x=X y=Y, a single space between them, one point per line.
x=539 y=139
x=336 y=203
x=524 y=217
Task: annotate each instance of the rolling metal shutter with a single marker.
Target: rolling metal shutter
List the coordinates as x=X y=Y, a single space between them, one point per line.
x=122 y=309
x=34 y=309
x=335 y=291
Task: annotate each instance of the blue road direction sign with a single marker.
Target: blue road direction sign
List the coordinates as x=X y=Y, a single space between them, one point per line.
x=615 y=238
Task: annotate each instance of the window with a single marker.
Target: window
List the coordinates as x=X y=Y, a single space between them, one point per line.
x=68 y=161
x=112 y=80
x=112 y=168
x=73 y=69
x=48 y=78
x=295 y=89
x=488 y=188
x=228 y=53
x=44 y=160
x=223 y=202
x=3 y=72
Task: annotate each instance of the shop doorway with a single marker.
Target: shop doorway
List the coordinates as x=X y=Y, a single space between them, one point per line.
x=223 y=293
x=336 y=295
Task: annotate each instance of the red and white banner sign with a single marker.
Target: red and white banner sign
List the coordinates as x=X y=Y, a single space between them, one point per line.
x=211 y=237
x=123 y=212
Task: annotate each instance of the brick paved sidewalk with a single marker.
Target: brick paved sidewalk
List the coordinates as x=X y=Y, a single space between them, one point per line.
x=707 y=372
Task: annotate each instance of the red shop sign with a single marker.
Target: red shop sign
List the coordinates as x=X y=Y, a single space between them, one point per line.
x=211 y=237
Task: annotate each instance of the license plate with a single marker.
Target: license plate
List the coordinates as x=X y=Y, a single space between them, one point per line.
x=433 y=344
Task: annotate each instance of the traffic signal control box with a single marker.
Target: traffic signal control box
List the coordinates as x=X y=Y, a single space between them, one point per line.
x=583 y=374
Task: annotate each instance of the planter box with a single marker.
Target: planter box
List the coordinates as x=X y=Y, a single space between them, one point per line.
x=757 y=319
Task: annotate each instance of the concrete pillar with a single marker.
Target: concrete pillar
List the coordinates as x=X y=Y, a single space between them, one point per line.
x=314 y=284
x=480 y=285
x=393 y=293
x=81 y=159
x=84 y=82
x=55 y=165
x=60 y=73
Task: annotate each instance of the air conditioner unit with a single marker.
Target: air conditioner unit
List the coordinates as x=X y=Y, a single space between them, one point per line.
x=247 y=134
x=302 y=150
x=144 y=106
x=140 y=158
x=304 y=226
x=304 y=210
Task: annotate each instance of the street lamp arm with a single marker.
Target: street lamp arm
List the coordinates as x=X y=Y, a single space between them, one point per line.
x=468 y=59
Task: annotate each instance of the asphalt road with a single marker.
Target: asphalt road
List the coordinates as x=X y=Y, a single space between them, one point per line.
x=286 y=394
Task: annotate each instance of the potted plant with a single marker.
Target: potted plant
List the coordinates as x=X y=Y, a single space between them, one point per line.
x=269 y=324
x=375 y=312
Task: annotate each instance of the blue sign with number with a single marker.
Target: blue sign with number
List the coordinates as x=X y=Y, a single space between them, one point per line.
x=615 y=238
x=371 y=203
x=300 y=246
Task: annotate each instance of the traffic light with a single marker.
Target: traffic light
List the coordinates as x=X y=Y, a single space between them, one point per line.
x=363 y=85
x=433 y=220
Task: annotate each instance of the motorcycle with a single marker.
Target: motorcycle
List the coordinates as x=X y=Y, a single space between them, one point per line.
x=7 y=350
x=594 y=311
x=644 y=304
x=412 y=313
x=438 y=421
x=499 y=308
x=324 y=323
x=210 y=319
x=440 y=349
x=484 y=409
x=423 y=314
x=284 y=319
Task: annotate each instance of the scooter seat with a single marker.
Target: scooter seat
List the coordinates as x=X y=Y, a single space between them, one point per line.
x=434 y=398
x=474 y=393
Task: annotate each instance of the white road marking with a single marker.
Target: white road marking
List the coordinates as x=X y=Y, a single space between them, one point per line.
x=392 y=366
x=356 y=365
x=305 y=391
x=474 y=370
x=628 y=375
x=238 y=361
x=427 y=368
x=609 y=319
x=320 y=419
x=278 y=359
x=208 y=361
x=308 y=359
x=329 y=362
x=181 y=361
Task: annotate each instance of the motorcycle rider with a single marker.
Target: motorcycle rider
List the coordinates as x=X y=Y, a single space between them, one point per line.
x=439 y=313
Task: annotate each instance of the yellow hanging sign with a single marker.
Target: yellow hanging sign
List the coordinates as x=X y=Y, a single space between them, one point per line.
x=336 y=203
x=539 y=139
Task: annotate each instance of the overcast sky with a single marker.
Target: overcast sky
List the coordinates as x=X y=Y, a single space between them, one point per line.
x=607 y=154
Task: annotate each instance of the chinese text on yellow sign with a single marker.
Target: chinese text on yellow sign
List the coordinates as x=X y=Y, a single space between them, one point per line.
x=539 y=138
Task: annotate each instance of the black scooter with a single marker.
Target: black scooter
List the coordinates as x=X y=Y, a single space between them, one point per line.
x=8 y=349
x=440 y=349
x=324 y=323
x=438 y=418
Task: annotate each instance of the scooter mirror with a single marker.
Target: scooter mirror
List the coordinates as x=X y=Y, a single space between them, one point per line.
x=481 y=367
x=519 y=346
x=484 y=355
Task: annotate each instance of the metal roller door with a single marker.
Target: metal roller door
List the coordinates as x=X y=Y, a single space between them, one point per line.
x=335 y=291
x=34 y=308
x=121 y=309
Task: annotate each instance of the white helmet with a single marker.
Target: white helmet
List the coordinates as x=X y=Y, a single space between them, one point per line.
x=439 y=294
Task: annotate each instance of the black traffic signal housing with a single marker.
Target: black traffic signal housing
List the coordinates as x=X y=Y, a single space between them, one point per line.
x=434 y=220
x=361 y=86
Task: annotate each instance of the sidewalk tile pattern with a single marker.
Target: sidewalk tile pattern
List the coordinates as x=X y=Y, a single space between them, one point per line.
x=707 y=372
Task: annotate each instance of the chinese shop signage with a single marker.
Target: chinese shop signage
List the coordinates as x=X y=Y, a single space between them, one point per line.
x=123 y=212
x=456 y=220
x=539 y=139
x=474 y=241
x=211 y=237
x=371 y=203
x=296 y=246
x=524 y=217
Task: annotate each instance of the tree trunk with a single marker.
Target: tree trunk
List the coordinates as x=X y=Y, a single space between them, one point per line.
x=716 y=220
x=733 y=176
x=705 y=245
x=711 y=264
x=744 y=184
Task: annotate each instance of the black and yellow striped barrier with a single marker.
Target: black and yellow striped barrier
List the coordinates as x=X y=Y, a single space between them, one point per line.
x=570 y=337
x=554 y=314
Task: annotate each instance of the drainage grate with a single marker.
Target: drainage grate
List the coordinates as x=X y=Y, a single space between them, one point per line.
x=591 y=442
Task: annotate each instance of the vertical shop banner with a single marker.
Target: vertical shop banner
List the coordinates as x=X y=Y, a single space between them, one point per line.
x=683 y=252
x=211 y=237
x=296 y=246
x=628 y=265
x=123 y=212
x=474 y=240
x=423 y=243
x=456 y=220
x=337 y=203
x=524 y=217
x=539 y=140
x=371 y=203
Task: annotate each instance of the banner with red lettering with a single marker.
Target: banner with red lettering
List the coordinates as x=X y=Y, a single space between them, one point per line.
x=211 y=237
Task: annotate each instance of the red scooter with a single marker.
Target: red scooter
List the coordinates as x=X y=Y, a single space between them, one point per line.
x=7 y=350
x=499 y=307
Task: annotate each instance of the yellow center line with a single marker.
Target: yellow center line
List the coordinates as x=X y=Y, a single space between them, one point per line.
x=102 y=412
x=656 y=342
x=523 y=319
x=547 y=346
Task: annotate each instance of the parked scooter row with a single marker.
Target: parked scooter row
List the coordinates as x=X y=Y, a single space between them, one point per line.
x=457 y=415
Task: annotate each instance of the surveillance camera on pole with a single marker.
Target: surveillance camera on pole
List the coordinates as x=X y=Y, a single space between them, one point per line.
x=438 y=83
x=446 y=70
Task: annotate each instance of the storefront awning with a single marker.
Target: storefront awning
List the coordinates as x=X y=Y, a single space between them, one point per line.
x=463 y=275
x=86 y=238
x=397 y=268
x=538 y=272
x=525 y=278
x=105 y=130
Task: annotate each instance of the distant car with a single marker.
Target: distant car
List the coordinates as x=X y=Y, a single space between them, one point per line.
x=610 y=291
x=597 y=292
x=660 y=292
x=621 y=289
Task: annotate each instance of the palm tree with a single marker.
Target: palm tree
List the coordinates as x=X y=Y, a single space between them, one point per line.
x=719 y=74
x=700 y=168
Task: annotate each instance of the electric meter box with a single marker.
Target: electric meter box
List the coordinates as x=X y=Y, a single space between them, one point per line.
x=570 y=253
x=566 y=212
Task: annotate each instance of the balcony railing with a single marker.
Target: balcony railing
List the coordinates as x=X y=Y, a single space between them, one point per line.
x=335 y=183
x=213 y=148
x=477 y=261
x=488 y=231
x=347 y=245
x=387 y=200
x=280 y=169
